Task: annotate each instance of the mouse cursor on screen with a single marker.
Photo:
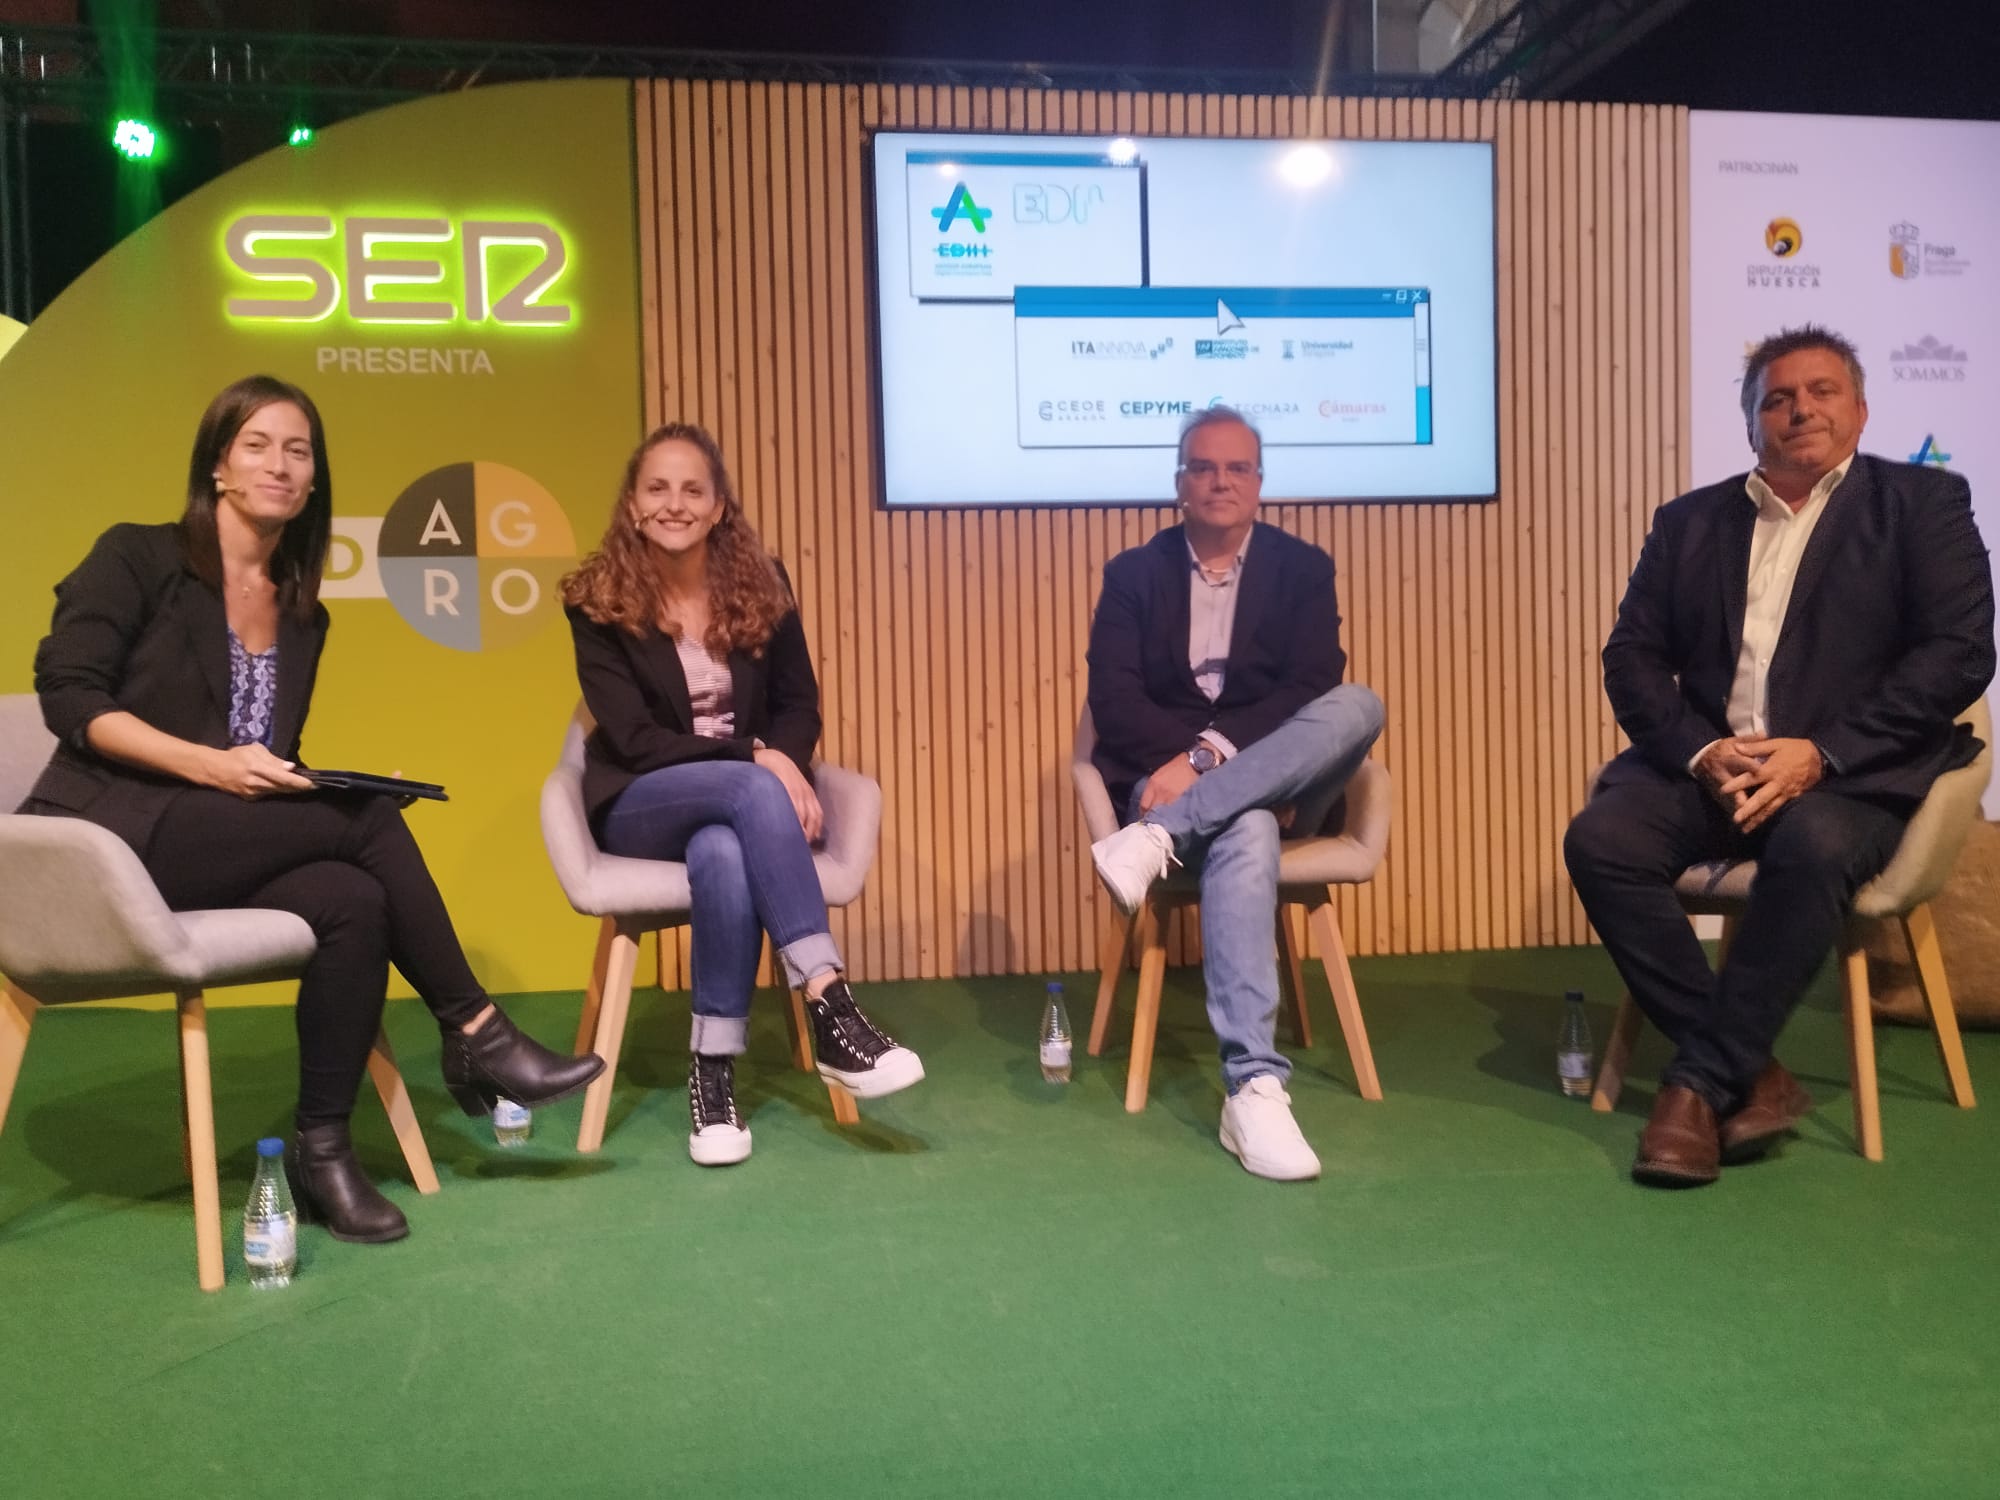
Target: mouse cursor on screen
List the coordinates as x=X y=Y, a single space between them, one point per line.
x=1224 y=318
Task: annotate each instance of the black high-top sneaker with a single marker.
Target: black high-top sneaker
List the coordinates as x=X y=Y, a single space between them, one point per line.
x=717 y=1135
x=853 y=1051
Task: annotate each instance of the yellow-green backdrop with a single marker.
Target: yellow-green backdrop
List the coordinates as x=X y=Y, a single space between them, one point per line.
x=99 y=401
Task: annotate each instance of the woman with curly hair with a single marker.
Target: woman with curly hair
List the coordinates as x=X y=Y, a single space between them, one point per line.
x=693 y=661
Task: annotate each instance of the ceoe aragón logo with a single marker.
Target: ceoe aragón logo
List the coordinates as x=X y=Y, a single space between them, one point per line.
x=470 y=554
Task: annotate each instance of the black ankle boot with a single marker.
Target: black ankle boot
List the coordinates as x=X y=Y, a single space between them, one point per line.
x=499 y=1062
x=331 y=1189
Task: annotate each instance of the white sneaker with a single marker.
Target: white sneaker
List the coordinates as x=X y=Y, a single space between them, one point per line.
x=1258 y=1129
x=1131 y=860
x=717 y=1136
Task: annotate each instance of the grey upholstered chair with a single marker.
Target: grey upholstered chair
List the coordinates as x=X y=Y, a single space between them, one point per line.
x=1900 y=894
x=636 y=896
x=1308 y=869
x=81 y=920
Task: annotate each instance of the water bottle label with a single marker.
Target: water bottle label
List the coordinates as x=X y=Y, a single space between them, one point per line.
x=1055 y=1054
x=271 y=1243
x=1573 y=1064
x=507 y=1115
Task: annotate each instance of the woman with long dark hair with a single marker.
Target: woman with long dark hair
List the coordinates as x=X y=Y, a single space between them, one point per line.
x=176 y=677
x=693 y=662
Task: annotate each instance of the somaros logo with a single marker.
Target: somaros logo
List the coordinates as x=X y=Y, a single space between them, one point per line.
x=1782 y=237
x=1928 y=361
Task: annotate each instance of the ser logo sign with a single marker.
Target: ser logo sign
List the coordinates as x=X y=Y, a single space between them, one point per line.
x=307 y=266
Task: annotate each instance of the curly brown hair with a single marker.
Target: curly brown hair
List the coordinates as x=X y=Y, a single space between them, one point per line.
x=615 y=585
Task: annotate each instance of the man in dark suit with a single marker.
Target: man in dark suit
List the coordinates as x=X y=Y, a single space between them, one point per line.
x=1789 y=659
x=1215 y=669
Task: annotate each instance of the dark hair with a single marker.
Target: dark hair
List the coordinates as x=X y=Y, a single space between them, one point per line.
x=615 y=585
x=1793 y=341
x=301 y=556
x=1210 y=416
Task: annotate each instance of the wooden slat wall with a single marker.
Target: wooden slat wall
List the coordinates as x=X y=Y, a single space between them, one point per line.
x=951 y=644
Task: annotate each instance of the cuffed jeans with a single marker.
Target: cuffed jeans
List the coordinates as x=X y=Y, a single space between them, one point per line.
x=1224 y=827
x=749 y=872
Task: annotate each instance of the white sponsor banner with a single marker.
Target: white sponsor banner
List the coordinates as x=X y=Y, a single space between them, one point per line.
x=1888 y=232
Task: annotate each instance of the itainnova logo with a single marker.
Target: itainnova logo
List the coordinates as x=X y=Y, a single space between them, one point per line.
x=1783 y=237
x=961 y=205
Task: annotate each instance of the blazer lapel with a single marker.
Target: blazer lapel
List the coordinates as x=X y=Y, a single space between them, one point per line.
x=1173 y=610
x=1848 y=500
x=746 y=688
x=1739 y=521
x=207 y=625
x=662 y=663
x=297 y=647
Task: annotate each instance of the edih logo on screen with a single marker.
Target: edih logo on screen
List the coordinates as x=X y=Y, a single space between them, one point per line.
x=960 y=205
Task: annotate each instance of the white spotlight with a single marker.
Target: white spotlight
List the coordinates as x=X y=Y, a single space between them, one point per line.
x=1306 y=166
x=1124 y=151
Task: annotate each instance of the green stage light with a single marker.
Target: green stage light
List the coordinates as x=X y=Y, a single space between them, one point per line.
x=302 y=135
x=134 y=139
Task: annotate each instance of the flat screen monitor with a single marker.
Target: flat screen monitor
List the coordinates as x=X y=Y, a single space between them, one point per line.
x=1050 y=311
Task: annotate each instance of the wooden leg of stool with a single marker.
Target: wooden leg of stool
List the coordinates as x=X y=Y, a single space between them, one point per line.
x=593 y=993
x=200 y=1105
x=1291 y=975
x=1150 y=934
x=1112 y=948
x=388 y=1080
x=1921 y=933
x=1861 y=1048
x=17 y=1018
x=1346 y=1000
x=1617 y=1055
x=845 y=1110
x=621 y=964
x=802 y=1050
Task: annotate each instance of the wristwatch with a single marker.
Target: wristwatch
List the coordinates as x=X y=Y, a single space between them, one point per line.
x=1204 y=758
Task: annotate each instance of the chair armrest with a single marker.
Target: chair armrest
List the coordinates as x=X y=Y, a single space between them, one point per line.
x=77 y=906
x=1100 y=818
x=852 y=805
x=1923 y=860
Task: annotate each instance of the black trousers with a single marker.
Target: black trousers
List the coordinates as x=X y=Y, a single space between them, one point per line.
x=1632 y=841
x=347 y=865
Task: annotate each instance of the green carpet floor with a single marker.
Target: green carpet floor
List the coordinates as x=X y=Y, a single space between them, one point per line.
x=1000 y=1288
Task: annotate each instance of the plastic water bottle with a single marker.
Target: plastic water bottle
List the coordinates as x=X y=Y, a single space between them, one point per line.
x=270 y=1221
x=1573 y=1048
x=511 y=1123
x=1055 y=1037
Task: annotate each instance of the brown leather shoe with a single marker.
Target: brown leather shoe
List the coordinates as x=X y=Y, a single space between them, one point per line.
x=1777 y=1102
x=1680 y=1146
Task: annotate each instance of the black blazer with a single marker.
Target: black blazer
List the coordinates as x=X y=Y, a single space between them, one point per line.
x=637 y=692
x=1887 y=638
x=136 y=629
x=1284 y=651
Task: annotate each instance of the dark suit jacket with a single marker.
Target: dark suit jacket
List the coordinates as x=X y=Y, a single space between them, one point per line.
x=637 y=692
x=1888 y=635
x=136 y=629
x=1284 y=651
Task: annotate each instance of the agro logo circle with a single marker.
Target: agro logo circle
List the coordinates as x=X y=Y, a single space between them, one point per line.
x=471 y=555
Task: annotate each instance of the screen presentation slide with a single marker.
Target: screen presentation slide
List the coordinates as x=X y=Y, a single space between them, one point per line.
x=1311 y=366
x=1051 y=310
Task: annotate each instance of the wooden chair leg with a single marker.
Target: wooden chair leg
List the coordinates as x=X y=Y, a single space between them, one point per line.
x=1921 y=933
x=845 y=1110
x=1291 y=975
x=623 y=960
x=593 y=993
x=17 y=1018
x=1617 y=1055
x=1861 y=1047
x=1151 y=937
x=1346 y=1002
x=1729 y=925
x=1112 y=949
x=795 y=1017
x=388 y=1079
x=200 y=1104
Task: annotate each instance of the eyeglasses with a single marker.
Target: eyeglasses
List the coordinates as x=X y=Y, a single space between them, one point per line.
x=1205 y=469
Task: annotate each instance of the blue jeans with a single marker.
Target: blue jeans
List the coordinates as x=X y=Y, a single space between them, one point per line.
x=1224 y=828
x=749 y=872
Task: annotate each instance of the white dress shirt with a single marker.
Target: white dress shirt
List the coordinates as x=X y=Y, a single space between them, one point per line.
x=1777 y=545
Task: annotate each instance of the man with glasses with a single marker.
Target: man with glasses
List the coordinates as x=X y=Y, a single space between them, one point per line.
x=1215 y=686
